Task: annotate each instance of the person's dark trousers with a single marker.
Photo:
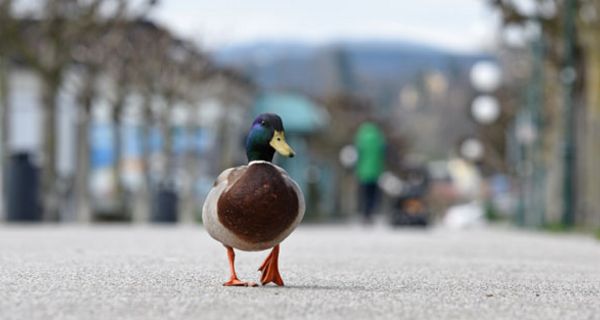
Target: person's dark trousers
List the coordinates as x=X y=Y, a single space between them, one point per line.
x=368 y=194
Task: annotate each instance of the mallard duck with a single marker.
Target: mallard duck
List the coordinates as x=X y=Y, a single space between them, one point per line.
x=255 y=207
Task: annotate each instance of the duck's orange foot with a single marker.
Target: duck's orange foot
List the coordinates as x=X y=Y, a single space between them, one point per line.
x=235 y=282
x=270 y=268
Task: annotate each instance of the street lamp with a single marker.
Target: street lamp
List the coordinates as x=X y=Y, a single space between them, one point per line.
x=485 y=109
x=486 y=76
x=471 y=149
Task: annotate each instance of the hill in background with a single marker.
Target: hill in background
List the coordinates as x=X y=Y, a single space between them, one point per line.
x=425 y=90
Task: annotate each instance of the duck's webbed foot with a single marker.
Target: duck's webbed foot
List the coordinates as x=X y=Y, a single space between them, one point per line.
x=270 y=268
x=234 y=281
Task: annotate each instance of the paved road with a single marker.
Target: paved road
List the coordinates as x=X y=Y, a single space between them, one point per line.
x=331 y=272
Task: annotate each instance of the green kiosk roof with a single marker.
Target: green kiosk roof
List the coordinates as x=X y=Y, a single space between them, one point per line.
x=299 y=114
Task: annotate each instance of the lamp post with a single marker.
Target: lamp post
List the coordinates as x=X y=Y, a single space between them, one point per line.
x=537 y=171
x=471 y=149
x=568 y=77
x=485 y=77
x=529 y=134
x=485 y=109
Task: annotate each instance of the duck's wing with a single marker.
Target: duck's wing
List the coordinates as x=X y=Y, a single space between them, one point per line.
x=226 y=179
x=297 y=190
x=229 y=176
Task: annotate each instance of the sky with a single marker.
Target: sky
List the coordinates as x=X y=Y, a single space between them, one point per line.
x=456 y=25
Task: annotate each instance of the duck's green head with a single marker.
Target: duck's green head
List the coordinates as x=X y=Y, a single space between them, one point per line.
x=265 y=137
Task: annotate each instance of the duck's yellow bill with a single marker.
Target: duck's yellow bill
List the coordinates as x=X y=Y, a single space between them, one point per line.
x=278 y=143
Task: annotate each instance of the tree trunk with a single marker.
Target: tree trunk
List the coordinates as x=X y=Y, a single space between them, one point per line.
x=188 y=197
x=167 y=147
x=223 y=145
x=83 y=209
x=141 y=212
x=50 y=194
x=118 y=150
x=591 y=170
x=551 y=144
x=4 y=133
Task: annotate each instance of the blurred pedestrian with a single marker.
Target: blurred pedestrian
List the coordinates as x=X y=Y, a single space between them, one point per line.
x=370 y=146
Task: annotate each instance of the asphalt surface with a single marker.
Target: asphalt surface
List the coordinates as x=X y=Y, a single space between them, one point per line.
x=119 y=272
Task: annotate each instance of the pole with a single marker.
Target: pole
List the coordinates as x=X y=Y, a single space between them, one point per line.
x=568 y=77
x=537 y=104
x=4 y=132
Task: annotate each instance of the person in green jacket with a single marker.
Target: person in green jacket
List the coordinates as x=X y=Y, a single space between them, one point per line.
x=370 y=145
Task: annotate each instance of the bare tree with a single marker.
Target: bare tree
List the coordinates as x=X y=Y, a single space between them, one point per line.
x=149 y=43
x=551 y=18
x=45 y=38
x=6 y=19
x=106 y=51
x=101 y=38
x=160 y=70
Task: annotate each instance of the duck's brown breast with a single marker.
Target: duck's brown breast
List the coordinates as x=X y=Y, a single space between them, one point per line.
x=260 y=205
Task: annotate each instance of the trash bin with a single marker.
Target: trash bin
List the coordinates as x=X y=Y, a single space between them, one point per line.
x=22 y=189
x=164 y=204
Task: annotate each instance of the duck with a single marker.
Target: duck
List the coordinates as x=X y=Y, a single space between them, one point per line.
x=254 y=207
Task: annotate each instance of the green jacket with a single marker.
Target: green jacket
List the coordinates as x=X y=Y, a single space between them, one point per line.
x=370 y=145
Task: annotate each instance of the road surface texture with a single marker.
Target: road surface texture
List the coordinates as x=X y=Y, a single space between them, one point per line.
x=120 y=272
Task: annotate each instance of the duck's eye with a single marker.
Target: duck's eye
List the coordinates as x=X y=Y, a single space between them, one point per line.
x=263 y=122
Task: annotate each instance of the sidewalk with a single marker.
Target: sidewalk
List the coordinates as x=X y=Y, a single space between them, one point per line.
x=331 y=273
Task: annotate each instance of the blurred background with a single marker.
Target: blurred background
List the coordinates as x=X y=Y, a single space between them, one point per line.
x=453 y=112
